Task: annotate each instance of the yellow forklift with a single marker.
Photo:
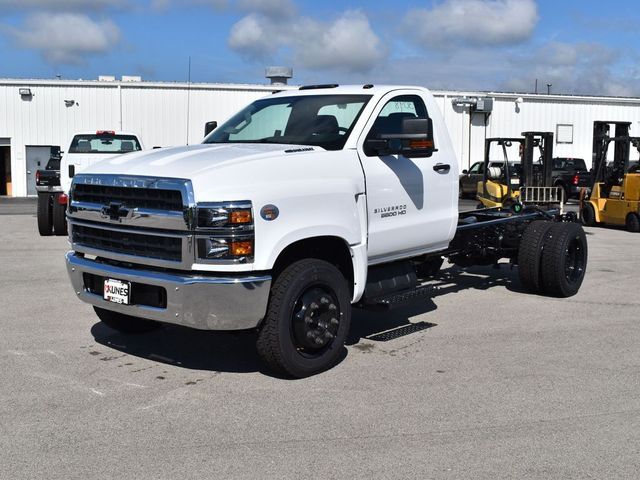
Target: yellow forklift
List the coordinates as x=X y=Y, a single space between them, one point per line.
x=615 y=195
x=525 y=182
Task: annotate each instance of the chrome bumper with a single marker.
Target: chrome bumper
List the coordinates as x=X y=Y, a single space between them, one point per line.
x=193 y=300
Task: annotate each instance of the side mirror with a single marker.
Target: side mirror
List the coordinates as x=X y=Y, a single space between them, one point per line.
x=210 y=127
x=464 y=172
x=414 y=140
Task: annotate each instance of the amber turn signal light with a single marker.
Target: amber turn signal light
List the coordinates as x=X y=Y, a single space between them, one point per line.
x=240 y=216
x=420 y=144
x=241 y=249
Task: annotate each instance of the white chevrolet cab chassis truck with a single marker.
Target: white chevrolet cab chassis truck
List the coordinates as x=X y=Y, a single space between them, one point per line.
x=301 y=205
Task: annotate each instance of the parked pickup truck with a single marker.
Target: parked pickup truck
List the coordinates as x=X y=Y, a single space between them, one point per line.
x=300 y=206
x=48 y=187
x=572 y=175
x=85 y=149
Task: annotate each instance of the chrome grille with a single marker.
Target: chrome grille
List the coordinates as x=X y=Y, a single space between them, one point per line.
x=125 y=242
x=132 y=197
x=134 y=219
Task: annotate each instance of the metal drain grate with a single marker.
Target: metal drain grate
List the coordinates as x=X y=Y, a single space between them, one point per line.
x=400 y=331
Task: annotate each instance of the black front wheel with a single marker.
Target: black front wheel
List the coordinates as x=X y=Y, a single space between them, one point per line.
x=307 y=319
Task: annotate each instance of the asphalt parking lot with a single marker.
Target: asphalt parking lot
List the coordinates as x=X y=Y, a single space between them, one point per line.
x=481 y=382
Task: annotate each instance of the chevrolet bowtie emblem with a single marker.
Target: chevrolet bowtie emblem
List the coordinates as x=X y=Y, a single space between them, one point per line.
x=114 y=211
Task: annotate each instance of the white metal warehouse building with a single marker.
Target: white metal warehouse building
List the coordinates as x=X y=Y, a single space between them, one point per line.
x=38 y=114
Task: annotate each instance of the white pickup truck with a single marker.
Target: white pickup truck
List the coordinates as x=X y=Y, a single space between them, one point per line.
x=85 y=149
x=301 y=205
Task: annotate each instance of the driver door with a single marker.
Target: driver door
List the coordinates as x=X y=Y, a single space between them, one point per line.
x=410 y=201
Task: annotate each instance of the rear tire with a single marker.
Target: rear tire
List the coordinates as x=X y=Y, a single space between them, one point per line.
x=588 y=215
x=59 y=217
x=125 y=323
x=45 y=223
x=530 y=255
x=307 y=319
x=633 y=223
x=564 y=260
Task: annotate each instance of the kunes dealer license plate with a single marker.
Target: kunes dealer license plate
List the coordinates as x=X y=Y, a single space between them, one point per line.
x=116 y=291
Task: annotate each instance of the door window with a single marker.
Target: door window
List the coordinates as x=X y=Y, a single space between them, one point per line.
x=390 y=118
x=476 y=168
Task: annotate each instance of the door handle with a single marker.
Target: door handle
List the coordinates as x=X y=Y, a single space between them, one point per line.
x=442 y=167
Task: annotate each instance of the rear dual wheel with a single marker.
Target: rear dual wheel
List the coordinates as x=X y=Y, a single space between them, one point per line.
x=553 y=258
x=59 y=216
x=564 y=260
x=44 y=214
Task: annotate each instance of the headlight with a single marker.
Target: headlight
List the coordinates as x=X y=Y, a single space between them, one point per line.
x=224 y=215
x=225 y=232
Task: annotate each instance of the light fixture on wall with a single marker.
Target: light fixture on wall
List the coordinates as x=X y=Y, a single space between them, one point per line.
x=70 y=103
x=25 y=93
x=518 y=101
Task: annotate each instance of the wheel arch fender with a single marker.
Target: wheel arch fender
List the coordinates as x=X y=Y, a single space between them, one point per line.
x=351 y=260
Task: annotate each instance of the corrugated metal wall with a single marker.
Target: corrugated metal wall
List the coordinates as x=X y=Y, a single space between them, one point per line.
x=540 y=113
x=158 y=113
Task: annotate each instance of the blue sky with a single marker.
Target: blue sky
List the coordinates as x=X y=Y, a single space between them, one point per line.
x=584 y=47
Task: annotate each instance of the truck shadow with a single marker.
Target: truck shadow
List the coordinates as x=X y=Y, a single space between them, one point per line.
x=234 y=352
x=183 y=347
x=396 y=323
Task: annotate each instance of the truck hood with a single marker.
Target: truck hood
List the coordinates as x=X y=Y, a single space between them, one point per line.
x=193 y=161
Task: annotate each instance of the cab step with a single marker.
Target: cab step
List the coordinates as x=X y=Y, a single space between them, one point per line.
x=397 y=299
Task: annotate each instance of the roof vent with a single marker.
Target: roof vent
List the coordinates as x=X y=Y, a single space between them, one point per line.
x=278 y=75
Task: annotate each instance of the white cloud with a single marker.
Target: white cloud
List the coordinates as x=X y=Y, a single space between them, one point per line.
x=66 y=38
x=348 y=43
x=580 y=68
x=472 y=22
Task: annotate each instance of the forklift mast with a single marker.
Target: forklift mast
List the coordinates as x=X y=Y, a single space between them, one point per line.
x=503 y=142
x=621 y=152
x=544 y=142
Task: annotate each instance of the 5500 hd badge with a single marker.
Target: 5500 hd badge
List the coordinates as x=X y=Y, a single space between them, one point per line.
x=391 y=211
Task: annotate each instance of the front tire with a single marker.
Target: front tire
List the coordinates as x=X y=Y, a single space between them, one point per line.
x=125 y=323
x=307 y=319
x=45 y=223
x=633 y=223
x=588 y=215
x=564 y=260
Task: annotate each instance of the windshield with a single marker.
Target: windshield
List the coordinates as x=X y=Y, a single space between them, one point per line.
x=104 y=143
x=316 y=120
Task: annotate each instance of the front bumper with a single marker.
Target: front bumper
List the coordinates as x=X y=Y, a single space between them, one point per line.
x=193 y=300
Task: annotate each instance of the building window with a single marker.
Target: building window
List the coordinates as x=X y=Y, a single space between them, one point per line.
x=564 y=133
